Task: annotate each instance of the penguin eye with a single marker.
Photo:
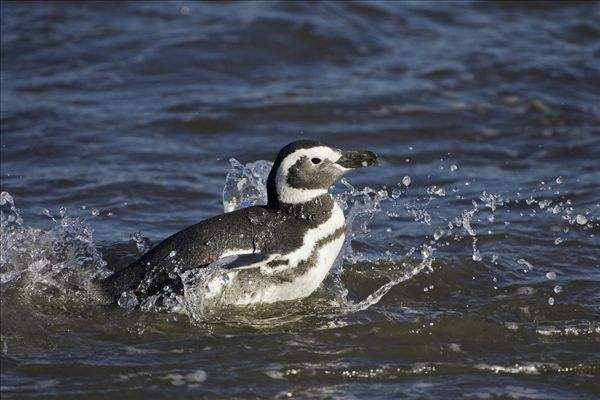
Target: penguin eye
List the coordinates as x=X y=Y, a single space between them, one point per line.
x=315 y=160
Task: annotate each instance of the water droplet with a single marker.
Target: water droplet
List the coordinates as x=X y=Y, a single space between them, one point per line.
x=544 y=203
x=426 y=217
x=426 y=251
x=525 y=263
x=382 y=193
x=551 y=301
x=95 y=212
x=406 y=181
x=453 y=167
x=558 y=241
x=47 y=213
x=396 y=193
x=581 y=219
x=6 y=198
x=438 y=234
x=436 y=191
x=492 y=200
x=551 y=275
x=558 y=289
x=173 y=253
x=559 y=180
x=466 y=223
x=142 y=243
x=128 y=300
x=477 y=255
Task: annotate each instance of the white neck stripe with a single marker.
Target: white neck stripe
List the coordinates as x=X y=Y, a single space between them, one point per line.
x=291 y=195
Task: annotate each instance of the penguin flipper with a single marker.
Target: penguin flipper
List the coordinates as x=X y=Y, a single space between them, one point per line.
x=244 y=261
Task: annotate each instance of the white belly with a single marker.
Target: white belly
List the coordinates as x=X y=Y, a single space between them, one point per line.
x=262 y=284
x=302 y=285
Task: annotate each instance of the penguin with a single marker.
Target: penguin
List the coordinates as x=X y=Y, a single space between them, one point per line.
x=267 y=253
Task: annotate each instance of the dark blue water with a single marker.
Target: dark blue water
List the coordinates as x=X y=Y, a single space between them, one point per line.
x=120 y=118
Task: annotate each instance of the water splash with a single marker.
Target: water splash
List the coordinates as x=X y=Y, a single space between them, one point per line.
x=245 y=185
x=64 y=256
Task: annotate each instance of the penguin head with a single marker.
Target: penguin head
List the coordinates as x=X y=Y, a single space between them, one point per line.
x=305 y=169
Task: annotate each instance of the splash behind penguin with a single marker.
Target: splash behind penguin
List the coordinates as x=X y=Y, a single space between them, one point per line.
x=279 y=251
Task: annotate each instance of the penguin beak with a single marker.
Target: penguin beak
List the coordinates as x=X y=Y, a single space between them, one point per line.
x=357 y=159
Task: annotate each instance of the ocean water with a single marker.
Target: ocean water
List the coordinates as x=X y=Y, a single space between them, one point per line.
x=472 y=265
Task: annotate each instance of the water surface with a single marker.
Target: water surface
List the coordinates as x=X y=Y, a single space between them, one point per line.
x=118 y=122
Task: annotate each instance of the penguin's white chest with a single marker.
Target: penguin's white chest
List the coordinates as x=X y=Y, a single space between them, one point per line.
x=301 y=274
x=325 y=257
